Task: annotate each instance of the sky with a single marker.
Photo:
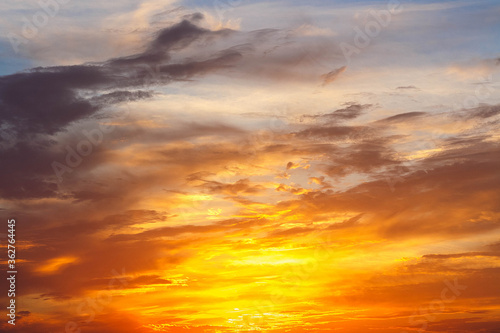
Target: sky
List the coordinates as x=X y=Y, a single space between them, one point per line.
x=242 y=166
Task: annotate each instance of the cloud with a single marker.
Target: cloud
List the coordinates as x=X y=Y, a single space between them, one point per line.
x=38 y=104
x=45 y=100
x=335 y=132
x=473 y=325
x=242 y=186
x=116 y=97
x=482 y=111
x=351 y=111
x=407 y=88
x=333 y=75
x=403 y=117
x=158 y=233
x=351 y=205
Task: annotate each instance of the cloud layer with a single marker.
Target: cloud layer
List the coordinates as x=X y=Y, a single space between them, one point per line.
x=222 y=180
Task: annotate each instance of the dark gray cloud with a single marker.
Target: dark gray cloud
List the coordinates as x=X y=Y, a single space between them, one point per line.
x=402 y=117
x=26 y=172
x=45 y=100
x=174 y=38
x=39 y=103
x=351 y=111
x=120 y=96
x=364 y=157
x=482 y=111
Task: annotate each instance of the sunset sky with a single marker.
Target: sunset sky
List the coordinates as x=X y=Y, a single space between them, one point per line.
x=251 y=166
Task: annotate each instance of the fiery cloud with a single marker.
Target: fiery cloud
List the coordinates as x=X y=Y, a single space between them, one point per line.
x=249 y=179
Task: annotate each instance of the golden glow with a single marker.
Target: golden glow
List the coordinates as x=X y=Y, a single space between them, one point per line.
x=53 y=265
x=262 y=183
